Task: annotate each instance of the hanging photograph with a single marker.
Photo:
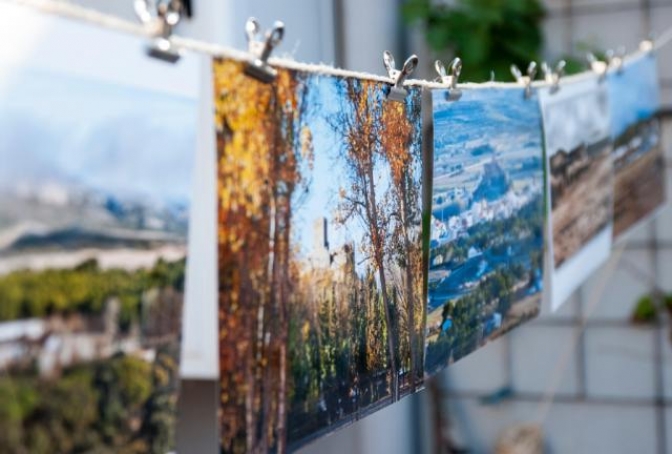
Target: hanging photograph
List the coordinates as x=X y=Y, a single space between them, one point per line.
x=639 y=165
x=580 y=180
x=487 y=220
x=321 y=304
x=94 y=212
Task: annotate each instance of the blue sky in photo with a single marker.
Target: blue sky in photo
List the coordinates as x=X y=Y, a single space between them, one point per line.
x=329 y=172
x=499 y=117
x=633 y=94
x=120 y=140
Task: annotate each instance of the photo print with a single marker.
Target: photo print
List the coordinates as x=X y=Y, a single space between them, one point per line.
x=487 y=220
x=321 y=306
x=639 y=166
x=580 y=181
x=94 y=212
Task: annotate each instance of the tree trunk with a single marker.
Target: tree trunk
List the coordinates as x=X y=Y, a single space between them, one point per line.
x=378 y=254
x=410 y=297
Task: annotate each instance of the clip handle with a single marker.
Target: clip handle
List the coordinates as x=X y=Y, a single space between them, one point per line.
x=598 y=66
x=261 y=49
x=553 y=76
x=397 y=91
x=273 y=39
x=166 y=17
x=527 y=79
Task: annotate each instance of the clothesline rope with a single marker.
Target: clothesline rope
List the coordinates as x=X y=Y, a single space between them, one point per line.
x=68 y=10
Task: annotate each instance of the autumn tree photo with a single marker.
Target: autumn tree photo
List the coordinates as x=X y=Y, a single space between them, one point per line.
x=320 y=273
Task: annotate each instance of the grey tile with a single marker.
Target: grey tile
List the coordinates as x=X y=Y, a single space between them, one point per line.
x=666 y=343
x=557 y=43
x=668 y=429
x=567 y=427
x=666 y=96
x=620 y=363
x=612 y=293
x=483 y=371
x=566 y=312
x=664 y=268
x=590 y=428
x=661 y=20
x=544 y=359
x=641 y=233
x=605 y=5
x=609 y=30
x=555 y=6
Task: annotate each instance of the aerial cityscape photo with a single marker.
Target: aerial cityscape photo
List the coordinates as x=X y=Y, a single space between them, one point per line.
x=486 y=250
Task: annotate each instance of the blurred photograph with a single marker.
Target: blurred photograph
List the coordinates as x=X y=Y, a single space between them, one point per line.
x=639 y=166
x=487 y=221
x=94 y=213
x=580 y=178
x=320 y=254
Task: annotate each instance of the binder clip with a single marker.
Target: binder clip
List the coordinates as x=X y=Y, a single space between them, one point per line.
x=527 y=79
x=261 y=49
x=615 y=59
x=553 y=76
x=450 y=78
x=598 y=66
x=397 y=91
x=168 y=14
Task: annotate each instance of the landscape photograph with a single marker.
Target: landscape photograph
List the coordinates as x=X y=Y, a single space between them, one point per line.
x=487 y=221
x=639 y=167
x=94 y=213
x=321 y=307
x=576 y=124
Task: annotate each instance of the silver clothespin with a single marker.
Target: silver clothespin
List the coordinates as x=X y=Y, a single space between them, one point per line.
x=397 y=91
x=615 y=59
x=261 y=49
x=168 y=14
x=450 y=78
x=599 y=67
x=648 y=45
x=527 y=79
x=552 y=76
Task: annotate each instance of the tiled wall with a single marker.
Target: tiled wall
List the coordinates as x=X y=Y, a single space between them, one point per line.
x=593 y=380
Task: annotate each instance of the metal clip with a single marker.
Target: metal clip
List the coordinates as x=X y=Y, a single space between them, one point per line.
x=525 y=80
x=598 y=66
x=615 y=59
x=647 y=46
x=450 y=78
x=168 y=15
x=397 y=91
x=261 y=49
x=553 y=76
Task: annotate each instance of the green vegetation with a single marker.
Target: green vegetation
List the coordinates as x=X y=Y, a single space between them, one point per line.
x=83 y=289
x=646 y=309
x=496 y=292
x=488 y=35
x=122 y=404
